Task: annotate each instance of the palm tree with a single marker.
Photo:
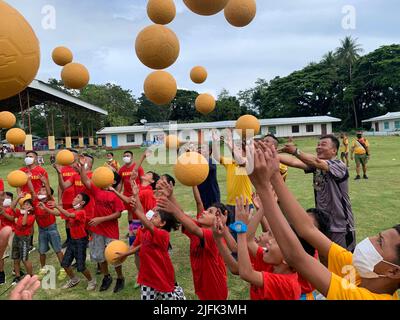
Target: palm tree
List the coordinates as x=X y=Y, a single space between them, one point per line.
x=348 y=54
x=329 y=59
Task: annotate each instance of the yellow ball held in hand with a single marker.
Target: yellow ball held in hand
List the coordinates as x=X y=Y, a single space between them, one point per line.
x=161 y=11
x=103 y=177
x=247 y=126
x=75 y=76
x=62 y=56
x=198 y=74
x=111 y=250
x=160 y=87
x=191 y=169
x=157 y=47
x=16 y=136
x=65 y=158
x=7 y=120
x=17 y=179
x=205 y=103
x=172 y=142
x=240 y=13
x=206 y=7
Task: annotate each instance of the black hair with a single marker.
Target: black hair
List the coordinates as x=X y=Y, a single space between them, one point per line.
x=273 y=137
x=88 y=156
x=85 y=198
x=324 y=220
x=110 y=153
x=129 y=152
x=221 y=207
x=156 y=177
x=397 y=228
x=334 y=140
x=117 y=179
x=171 y=224
x=34 y=152
x=51 y=191
x=10 y=194
x=73 y=151
x=28 y=200
x=169 y=179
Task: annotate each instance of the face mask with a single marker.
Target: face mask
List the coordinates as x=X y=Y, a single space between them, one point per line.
x=149 y=215
x=77 y=206
x=127 y=159
x=7 y=202
x=41 y=196
x=110 y=160
x=29 y=161
x=86 y=166
x=366 y=257
x=23 y=211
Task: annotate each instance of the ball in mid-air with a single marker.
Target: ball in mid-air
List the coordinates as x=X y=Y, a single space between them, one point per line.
x=240 y=13
x=160 y=87
x=65 y=158
x=16 y=136
x=17 y=179
x=157 y=47
x=7 y=120
x=19 y=52
x=247 y=126
x=75 y=76
x=62 y=56
x=114 y=247
x=103 y=177
x=198 y=74
x=191 y=169
x=172 y=142
x=206 y=7
x=161 y=11
x=205 y=103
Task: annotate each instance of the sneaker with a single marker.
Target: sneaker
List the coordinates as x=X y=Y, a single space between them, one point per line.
x=92 y=285
x=357 y=178
x=106 y=283
x=2 y=278
x=6 y=255
x=42 y=273
x=365 y=177
x=119 y=285
x=17 y=279
x=22 y=273
x=31 y=249
x=71 y=283
x=61 y=275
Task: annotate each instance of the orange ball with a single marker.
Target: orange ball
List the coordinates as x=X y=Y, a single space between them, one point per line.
x=248 y=126
x=103 y=177
x=160 y=87
x=206 y=7
x=198 y=74
x=161 y=11
x=75 y=76
x=62 y=56
x=240 y=13
x=17 y=179
x=191 y=169
x=157 y=47
x=172 y=142
x=65 y=158
x=205 y=103
x=19 y=52
x=111 y=250
x=7 y=120
x=16 y=136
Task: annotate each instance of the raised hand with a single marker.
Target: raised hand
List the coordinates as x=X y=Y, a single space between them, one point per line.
x=242 y=210
x=256 y=200
x=218 y=228
x=165 y=188
x=163 y=203
x=289 y=148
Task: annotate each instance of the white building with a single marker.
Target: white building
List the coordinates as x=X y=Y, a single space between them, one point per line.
x=153 y=133
x=388 y=123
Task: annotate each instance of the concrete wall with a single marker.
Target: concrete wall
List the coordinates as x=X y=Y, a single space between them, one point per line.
x=392 y=125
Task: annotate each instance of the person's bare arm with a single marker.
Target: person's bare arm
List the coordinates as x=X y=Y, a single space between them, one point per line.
x=124 y=198
x=61 y=183
x=5 y=215
x=48 y=210
x=309 y=160
x=140 y=211
x=197 y=199
x=65 y=212
x=292 y=162
x=251 y=231
x=216 y=146
x=84 y=178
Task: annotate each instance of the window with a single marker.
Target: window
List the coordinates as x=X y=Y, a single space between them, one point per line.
x=397 y=124
x=130 y=138
x=295 y=129
x=272 y=130
x=310 y=128
x=386 y=124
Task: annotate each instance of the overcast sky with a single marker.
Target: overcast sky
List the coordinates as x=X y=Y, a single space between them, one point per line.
x=285 y=36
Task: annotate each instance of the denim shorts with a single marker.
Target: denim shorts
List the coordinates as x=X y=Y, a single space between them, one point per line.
x=76 y=249
x=49 y=236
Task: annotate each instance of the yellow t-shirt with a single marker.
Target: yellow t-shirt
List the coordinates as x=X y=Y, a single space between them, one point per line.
x=237 y=182
x=284 y=171
x=358 y=148
x=340 y=263
x=345 y=145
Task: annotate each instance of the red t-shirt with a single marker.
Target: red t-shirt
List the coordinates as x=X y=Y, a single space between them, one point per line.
x=156 y=269
x=43 y=219
x=27 y=229
x=77 y=225
x=280 y=287
x=80 y=188
x=147 y=199
x=68 y=194
x=138 y=239
x=35 y=178
x=208 y=267
x=256 y=293
x=5 y=222
x=125 y=172
x=1 y=185
x=106 y=203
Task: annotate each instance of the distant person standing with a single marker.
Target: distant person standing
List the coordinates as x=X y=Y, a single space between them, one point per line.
x=360 y=149
x=111 y=162
x=344 y=149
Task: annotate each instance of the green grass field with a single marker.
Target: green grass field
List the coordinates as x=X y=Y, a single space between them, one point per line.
x=375 y=205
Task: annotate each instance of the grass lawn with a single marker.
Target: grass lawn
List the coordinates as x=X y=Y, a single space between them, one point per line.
x=375 y=202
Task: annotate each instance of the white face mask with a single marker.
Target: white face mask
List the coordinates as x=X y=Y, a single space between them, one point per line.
x=366 y=257
x=41 y=196
x=86 y=166
x=110 y=160
x=127 y=159
x=7 y=202
x=150 y=214
x=29 y=161
x=23 y=211
x=77 y=206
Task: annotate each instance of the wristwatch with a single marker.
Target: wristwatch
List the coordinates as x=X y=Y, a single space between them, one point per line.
x=297 y=152
x=238 y=227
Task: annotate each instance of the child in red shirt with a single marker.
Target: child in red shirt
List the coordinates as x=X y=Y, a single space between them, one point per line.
x=6 y=230
x=24 y=223
x=208 y=267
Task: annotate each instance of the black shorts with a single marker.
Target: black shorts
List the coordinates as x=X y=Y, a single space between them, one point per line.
x=20 y=248
x=76 y=249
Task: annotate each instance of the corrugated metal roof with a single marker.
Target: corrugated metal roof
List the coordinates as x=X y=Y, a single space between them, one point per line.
x=216 y=125
x=387 y=116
